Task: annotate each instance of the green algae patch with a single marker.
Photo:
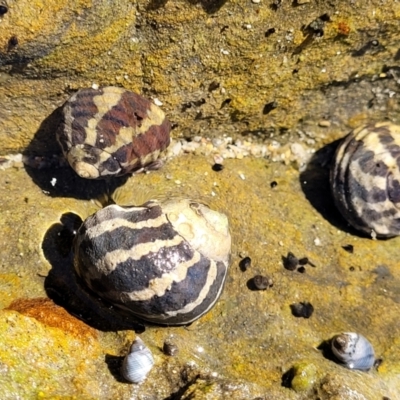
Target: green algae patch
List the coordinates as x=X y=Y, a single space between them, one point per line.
x=304 y=376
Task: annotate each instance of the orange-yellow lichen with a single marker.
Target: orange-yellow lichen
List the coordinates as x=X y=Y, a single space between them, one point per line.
x=48 y=313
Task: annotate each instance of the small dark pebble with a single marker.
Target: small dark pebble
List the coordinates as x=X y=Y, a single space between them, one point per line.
x=262 y=282
x=351 y=269
x=276 y=4
x=378 y=362
x=303 y=309
x=270 y=31
x=12 y=42
x=225 y=103
x=170 y=349
x=349 y=248
x=213 y=85
x=217 y=167
x=290 y=262
x=273 y=184
x=224 y=28
x=3 y=10
x=301 y=269
x=306 y=261
x=303 y=261
x=245 y=264
x=269 y=107
x=325 y=17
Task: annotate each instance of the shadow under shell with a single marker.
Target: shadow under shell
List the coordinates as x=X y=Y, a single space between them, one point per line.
x=63 y=286
x=315 y=183
x=48 y=169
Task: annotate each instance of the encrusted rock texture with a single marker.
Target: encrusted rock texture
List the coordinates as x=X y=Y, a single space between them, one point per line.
x=273 y=70
x=56 y=341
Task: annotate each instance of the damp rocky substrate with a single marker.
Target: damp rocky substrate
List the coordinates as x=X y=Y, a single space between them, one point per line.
x=250 y=345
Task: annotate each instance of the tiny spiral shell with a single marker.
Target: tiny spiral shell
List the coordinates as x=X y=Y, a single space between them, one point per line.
x=137 y=363
x=353 y=351
x=365 y=179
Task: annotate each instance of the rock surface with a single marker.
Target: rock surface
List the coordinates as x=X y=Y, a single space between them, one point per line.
x=271 y=79
x=283 y=69
x=250 y=345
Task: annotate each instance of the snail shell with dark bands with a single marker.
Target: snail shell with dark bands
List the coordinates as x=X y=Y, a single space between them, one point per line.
x=111 y=131
x=365 y=179
x=353 y=351
x=166 y=262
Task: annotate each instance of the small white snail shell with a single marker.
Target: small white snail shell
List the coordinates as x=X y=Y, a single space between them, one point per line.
x=137 y=363
x=353 y=351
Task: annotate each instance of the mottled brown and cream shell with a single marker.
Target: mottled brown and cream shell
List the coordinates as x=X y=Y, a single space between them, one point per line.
x=365 y=179
x=165 y=262
x=111 y=131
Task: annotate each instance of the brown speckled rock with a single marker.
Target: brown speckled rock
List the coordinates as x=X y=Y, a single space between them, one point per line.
x=217 y=66
x=270 y=72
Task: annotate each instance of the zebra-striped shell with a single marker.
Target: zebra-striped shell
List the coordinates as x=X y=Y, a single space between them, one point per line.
x=137 y=363
x=365 y=179
x=111 y=131
x=165 y=262
x=353 y=351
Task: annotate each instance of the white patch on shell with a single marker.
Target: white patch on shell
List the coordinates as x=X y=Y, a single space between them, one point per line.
x=201 y=227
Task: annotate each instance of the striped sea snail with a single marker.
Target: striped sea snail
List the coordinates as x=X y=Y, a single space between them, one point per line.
x=353 y=351
x=165 y=262
x=137 y=363
x=111 y=131
x=365 y=179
